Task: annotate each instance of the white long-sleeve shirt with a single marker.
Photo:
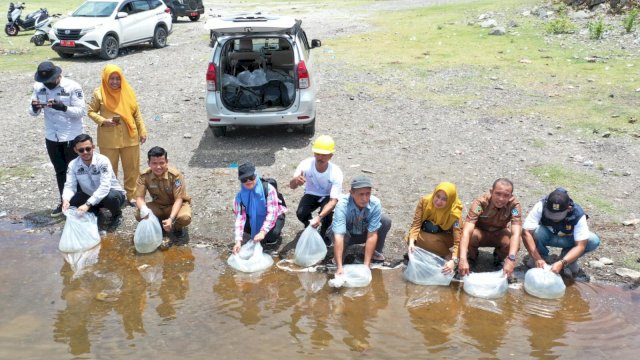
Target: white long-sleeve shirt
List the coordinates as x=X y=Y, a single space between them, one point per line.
x=61 y=126
x=96 y=179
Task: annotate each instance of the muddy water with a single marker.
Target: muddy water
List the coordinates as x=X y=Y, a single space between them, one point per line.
x=186 y=303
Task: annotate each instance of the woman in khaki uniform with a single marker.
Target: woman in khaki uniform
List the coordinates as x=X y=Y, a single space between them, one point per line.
x=121 y=129
x=437 y=224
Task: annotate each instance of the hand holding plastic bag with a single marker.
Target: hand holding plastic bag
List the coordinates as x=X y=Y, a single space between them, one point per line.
x=544 y=283
x=250 y=258
x=353 y=275
x=80 y=233
x=144 y=212
x=148 y=234
x=486 y=285
x=425 y=268
x=310 y=248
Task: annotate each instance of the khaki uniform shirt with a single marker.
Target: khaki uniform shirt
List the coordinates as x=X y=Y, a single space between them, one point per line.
x=164 y=190
x=114 y=137
x=489 y=218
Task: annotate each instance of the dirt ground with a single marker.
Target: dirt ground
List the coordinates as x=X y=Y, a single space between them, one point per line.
x=406 y=146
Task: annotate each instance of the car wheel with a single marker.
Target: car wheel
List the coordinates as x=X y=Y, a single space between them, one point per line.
x=219 y=131
x=174 y=17
x=38 y=40
x=109 y=48
x=11 y=30
x=309 y=128
x=159 y=37
x=64 y=55
x=194 y=18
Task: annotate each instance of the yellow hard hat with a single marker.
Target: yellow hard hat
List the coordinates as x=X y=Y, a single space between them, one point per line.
x=324 y=144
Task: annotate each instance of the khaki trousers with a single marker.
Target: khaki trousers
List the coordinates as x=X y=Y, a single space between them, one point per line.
x=500 y=240
x=164 y=211
x=438 y=243
x=130 y=156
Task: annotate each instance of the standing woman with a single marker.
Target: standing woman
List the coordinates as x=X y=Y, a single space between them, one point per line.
x=121 y=129
x=437 y=224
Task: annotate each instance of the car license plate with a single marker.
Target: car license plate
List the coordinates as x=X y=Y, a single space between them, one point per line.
x=67 y=43
x=194 y=13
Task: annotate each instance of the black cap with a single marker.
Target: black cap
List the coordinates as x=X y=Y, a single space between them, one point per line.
x=558 y=201
x=246 y=171
x=47 y=72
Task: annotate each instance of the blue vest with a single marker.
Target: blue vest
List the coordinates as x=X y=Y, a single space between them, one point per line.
x=568 y=223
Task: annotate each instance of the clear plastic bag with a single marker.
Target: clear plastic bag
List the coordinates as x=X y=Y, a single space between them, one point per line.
x=81 y=261
x=80 y=233
x=148 y=234
x=250 y=258
x=354 y=275
x=312 y=282
x=544 y=283
x=425 y=268
x=486 y=285
x=310 y=248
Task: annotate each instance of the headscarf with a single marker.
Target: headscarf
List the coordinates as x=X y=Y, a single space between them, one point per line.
x=444 y=217
x=255 y=204
x=120 y=101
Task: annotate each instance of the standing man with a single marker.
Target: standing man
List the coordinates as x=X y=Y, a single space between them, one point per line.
x=358 y=219
x=323 y=185
x=62 y=102
x=168 y=190
x=99 y=187
x=494 y=220
x=557 y=221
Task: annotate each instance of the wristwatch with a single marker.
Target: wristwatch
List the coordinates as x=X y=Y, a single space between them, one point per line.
x=88 y=204
x=512 y=258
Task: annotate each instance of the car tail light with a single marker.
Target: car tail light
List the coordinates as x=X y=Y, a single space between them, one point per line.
x=303 y=76
x=211 y=77
x=167 y=10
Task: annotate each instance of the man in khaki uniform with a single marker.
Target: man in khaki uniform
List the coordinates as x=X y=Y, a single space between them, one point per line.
x=166 y=185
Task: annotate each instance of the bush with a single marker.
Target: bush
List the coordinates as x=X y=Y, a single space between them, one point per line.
x=562 y=25
x=597 y=29
x=630 y=21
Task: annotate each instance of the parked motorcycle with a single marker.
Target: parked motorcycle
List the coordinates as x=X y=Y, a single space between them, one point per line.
x=42 y=30
x=30 y=22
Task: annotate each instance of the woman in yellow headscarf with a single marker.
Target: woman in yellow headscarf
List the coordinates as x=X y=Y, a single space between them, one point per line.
x=121 y=129
x=437 y=224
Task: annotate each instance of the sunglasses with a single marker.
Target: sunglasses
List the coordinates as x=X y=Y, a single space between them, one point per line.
x=85 y=149
x=248 y=179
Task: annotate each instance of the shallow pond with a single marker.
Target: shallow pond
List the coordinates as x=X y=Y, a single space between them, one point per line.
x=187 y=303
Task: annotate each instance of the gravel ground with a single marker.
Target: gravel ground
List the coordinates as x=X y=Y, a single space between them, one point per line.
x=406 y=146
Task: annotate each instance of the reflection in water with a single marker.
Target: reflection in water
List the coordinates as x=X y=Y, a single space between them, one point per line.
x=118 y=283
x=433 y=311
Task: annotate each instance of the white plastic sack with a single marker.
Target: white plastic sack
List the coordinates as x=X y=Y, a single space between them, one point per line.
x=148 y=234
x=310 y=248
x=81 y=261
x=354 y=275
x=486 y=285
x=253 y=78
x=80 y=233
x=544 y=283
x=425 y=268
x=250 y=258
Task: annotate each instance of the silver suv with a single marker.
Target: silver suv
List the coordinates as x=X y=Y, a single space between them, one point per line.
x=260 y=73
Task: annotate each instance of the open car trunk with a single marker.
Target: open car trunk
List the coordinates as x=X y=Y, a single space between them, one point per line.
x=258 y=74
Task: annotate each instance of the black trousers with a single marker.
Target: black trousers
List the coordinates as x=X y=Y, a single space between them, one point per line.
x=112 y=202
x=308 y=204
x=60 y=155
x=273 y=236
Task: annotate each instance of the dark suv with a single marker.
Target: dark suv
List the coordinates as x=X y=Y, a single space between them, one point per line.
x=191 y=8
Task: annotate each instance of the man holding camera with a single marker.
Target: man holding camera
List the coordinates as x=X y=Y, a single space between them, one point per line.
x=62 y=102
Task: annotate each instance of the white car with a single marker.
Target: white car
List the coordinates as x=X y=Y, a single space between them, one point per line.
x=260 y=73
x=104 y=26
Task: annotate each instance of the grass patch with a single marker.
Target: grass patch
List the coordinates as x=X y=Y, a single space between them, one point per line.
x=631 y=263
x=556 y=71
x=15 y=171
x=17 y=53
x=578 y=183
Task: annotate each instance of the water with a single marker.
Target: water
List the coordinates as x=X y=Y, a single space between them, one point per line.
x=187 y=303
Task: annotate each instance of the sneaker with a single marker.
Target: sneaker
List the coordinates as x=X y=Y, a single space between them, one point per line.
x=574 y=268
x=180 y=234
x=57 y=211
x=165 y=245
x=115 y=222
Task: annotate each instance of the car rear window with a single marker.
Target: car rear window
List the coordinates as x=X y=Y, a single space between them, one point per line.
x=95 y=9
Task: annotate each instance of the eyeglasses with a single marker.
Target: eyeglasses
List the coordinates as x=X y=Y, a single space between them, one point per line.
x=85 y=149
x=248 y=179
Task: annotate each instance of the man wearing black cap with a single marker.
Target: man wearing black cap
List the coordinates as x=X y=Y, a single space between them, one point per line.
x=557 y=221
x=358 y=219
x=62 y=102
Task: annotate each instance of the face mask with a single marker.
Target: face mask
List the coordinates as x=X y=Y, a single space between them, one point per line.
x=51 y=85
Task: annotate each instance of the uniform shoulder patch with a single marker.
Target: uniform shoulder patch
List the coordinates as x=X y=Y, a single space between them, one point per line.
x=79 y=94
x=456 y=224
x=478 y=210
x=178 y=183
x=104 y=169
x=514 y=212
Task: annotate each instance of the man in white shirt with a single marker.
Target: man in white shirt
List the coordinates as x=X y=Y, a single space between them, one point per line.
x=323 y=185
x=98 y=184
x=557 y=221
x=62 y=102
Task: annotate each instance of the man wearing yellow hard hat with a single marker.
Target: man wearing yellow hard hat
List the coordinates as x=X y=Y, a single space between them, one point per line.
x=322 y=180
